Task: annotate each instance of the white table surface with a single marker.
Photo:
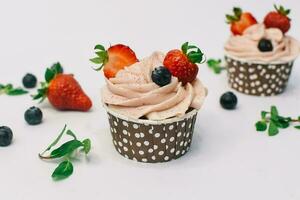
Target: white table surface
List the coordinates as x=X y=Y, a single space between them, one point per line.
x=228 y=158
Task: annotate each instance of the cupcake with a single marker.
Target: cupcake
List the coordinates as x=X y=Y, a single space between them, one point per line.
x=260 y=56
x=152 y=104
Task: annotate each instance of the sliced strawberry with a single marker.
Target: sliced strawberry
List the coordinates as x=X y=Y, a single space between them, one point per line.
x=240 y=21
x=117 y=57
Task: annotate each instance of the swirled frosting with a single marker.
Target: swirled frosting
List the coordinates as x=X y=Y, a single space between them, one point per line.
x=133 y=93
x=285 y=48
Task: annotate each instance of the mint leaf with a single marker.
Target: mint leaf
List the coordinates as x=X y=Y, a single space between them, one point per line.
x=100 y=47
x=69 y=132
x=64 y=170
x=215 y=65
x=263 y=114
x=261 y=126
x=273 y=130
x=297 y=127
x=86 y=145
x=49 y=75
x=66 y=148
x=17 y=91
x=274 y=112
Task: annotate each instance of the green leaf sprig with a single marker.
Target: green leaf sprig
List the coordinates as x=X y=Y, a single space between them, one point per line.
x=272 y=121
x=102 y=57
x=11 y=91
x=65 y=152
x=193 y=53
x=215 y=65
x=237 y=12
x=50 y=74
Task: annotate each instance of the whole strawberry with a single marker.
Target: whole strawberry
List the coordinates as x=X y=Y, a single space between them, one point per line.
x=183 y=63
x=240 y=21
x=63 y=91
x=113 y=59
x=278 y=19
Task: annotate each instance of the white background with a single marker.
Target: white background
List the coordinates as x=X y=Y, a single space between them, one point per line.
x=228 y=159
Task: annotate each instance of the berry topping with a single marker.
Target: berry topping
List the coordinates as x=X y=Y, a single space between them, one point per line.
x=265 y=45
x=33 y=116
x=240 y=21
x=183 y=63
x=113 y=59
x=278 y=19
x=29 y=81
x=6 y=136
x=63 y=92
x=161 y=76
x=228 y=100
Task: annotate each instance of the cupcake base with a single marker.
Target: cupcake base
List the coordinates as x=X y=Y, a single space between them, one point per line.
x=152 y=141
x=257 y=78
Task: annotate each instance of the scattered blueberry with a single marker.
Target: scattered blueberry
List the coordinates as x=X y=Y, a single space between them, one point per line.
x=33 y=115
x=161 y=76
x=228 y=100
x=265 y=45
x=29 y=81
x=6 y=136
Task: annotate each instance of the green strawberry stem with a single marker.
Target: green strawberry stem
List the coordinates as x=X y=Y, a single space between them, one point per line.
x=237 y=12
x=50 y=74
x=102 y=57
x=282 y=10
x=193 y=53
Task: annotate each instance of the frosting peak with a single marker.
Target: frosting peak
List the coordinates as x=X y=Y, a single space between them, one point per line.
x=133 y=93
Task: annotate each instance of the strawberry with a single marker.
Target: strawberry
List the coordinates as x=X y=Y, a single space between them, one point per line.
x=240 y=21
x=278 y=19
x=63 y=91
x=182 y=63
x=113 y=59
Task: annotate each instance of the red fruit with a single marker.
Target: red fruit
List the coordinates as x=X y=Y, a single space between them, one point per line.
x=182 y=64
x=278 y=19
x=63 y=92
x=117 y=57
x=240 y=21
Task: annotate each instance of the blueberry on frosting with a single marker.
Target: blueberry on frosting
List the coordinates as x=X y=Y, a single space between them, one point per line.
x=265 y=45
x=161 y=76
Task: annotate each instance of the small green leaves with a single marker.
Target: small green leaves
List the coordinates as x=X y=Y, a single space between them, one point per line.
x=297 y=127
x=102 y=57
x=194 y=54
x=215 y=65
x=237 y=12
x=261 y=126
x=63 y=170
x=282 y=10
x=49 y=75
x=273 y=122
x=11 y=91
x=57 y=68
x=65 y=151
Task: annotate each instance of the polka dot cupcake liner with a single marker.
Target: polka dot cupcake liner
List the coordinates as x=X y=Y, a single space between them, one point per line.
x=258 y=79
x=152 y=141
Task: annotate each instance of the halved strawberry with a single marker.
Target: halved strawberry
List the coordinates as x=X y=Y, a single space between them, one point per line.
x=278 y=19
x=240 y=21
x=113 y=59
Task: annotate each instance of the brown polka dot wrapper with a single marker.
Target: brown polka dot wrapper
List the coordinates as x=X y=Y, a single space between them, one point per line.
x=152 y=141
x=258 y=79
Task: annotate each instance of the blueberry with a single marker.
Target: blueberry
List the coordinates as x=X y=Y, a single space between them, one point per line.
x=29 y=81
x=6 y=136
x=265 y=45
x=228 y=100
x=161 y=76
x=33 y=115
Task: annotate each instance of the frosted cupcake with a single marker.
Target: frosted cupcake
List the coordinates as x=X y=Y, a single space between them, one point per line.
x=260 y=56
x=152 y=104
